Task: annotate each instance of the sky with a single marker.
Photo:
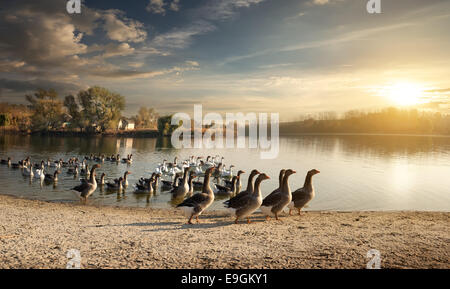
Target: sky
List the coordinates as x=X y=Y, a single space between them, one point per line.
x=291 y=57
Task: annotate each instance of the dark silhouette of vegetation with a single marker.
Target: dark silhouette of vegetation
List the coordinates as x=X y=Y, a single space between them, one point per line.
x=165 y=128
x=389 y=120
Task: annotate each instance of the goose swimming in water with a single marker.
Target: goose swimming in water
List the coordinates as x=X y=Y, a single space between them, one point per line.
x=199 y=202
x=115 y=186
x=303 y=195
x=226 y=191
x=274 y=203
x=124 y=179
x=52 y=177
x=28 y=171
x=182 y=189
x=248 y=204
x=73 y=170
x=87 y=188
x=229 y=184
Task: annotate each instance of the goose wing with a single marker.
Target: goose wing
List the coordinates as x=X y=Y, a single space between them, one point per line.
x=194 y=200
x=272 y=199
x=81 y=188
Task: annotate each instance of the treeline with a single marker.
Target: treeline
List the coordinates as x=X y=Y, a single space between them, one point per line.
x=390 y=120
x=95 y=109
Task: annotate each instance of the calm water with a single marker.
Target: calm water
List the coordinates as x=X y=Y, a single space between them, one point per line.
x=357 y=172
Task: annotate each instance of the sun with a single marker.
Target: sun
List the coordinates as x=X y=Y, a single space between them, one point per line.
x=405 y=93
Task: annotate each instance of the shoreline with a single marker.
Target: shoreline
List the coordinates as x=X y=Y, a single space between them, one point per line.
x=38 y=234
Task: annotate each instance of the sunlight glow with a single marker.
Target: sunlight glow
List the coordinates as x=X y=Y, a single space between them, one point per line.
x=405 y=93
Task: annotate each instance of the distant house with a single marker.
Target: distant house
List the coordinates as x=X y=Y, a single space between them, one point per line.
x=125 y=124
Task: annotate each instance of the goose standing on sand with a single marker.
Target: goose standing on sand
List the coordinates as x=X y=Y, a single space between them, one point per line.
x=196 y=204
x=248 y=204
x=249 y=189
x=280 y=181
x=274 y=203
x=303 y=195
x=87 y=188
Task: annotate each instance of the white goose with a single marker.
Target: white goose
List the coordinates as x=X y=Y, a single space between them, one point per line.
x=28 y=171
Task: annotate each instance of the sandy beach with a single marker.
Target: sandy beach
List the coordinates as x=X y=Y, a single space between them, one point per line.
x=36 y=234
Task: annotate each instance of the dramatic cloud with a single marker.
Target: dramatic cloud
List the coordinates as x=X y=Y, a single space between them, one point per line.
x=156 y=7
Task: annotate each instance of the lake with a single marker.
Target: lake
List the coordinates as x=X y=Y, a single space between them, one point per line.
x=358 y=172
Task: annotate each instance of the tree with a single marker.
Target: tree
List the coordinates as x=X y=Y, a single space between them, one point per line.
x=146 y=118
x=47 y=109
x=164 y=125
x=99 y=107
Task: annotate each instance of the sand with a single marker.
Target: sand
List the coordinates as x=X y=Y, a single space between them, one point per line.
x=36 y=234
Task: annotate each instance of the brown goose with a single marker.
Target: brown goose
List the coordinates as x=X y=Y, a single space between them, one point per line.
x=52 y=177
x=229 y=184
x=183 y=188
x=274 y=203
x=280 y=181
x=303 y=195
x=124 y=179
x=249 y=189
x=87 y=188
x=196 y=204
x=227 y=191
x=246 y=205
x=192 y=176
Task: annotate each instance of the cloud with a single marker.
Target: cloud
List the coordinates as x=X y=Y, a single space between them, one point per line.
x=120 y=28
x=224 y=9
x=156 y=7
x=179 y=38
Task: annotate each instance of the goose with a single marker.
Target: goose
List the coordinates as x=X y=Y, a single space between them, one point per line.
x=192 y=176
x=280 y=181
x=52 y=177
x=124 y=179
x=73 y=170
x=6 y=162
x=115 y=186
x=143 y=180
x=85 y=171
x=229 y=184
x=274 y=203
x=226 y=191
x=128 y=159
x=28 y=172
x=249 y=189
x=218 y=172
x=227 y=173
x=40 y=173
x=101 y=182
x=248 y=204
x=303 y=195
x=166 y=185
x=146 y=187
x=87 y=188
x=195 y=205
x=182 y=189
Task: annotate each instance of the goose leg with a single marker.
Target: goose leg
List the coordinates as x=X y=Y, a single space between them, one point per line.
x=290 y=212
x=299 y=211
x=196 y=217
x=248 y=220
x=236 y=221
x=276 y=216
x=190 y=220
x=267 y=218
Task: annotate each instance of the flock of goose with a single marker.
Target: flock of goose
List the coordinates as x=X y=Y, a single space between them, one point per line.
x=182 y=183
